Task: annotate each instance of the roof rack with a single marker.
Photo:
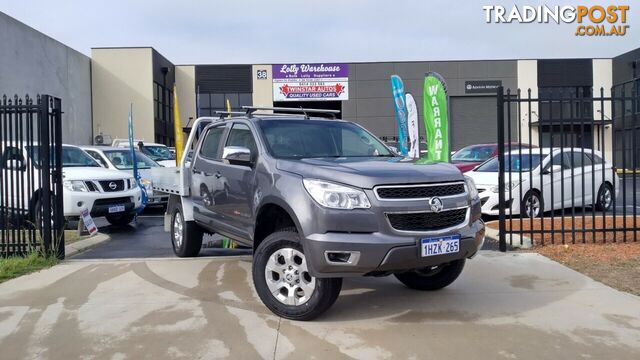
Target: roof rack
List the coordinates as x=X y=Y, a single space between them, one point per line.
x=229 y=113
x=251 y=109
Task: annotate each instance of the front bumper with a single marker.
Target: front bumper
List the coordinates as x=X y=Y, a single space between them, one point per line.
x=490 y=203
x=381 y=253
x=157 y=200
x=99 y=203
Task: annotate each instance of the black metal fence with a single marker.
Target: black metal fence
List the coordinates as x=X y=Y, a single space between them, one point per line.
x=31 y=204
x=565 y=174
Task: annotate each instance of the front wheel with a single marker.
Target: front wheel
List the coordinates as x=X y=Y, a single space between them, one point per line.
x=533 y=205
x=186 y=236
x=120 y=220
x=432 y=277
x=283 y=281
x=605 y=198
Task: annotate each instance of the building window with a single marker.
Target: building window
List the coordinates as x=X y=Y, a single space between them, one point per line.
x=209 y=103
x=163 y=114
x=566 y=103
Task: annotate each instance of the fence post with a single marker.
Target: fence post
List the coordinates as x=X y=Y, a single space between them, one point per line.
x=56 y=139
x=501 y=200
x=45 y=173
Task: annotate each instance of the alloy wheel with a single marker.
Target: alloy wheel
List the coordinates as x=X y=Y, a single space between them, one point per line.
x=288 y=277
x=606 y=198
x=532 y=206
x=177 y=230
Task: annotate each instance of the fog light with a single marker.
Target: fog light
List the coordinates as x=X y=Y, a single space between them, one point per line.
x=342 y=257
x=80 y=203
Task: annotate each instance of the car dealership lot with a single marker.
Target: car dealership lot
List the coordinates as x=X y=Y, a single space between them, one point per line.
x=506 y=306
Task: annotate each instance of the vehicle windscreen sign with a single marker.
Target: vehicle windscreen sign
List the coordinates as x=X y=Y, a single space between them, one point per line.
x=308 y=82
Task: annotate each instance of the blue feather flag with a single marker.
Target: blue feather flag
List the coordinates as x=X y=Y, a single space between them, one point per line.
x=400 y=105
x=136 y=174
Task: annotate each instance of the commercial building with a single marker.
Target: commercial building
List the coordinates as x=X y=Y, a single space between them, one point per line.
x=32 y=63
x=119 y=77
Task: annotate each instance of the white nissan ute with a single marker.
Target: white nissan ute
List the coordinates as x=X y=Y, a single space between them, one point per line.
x=104 y=192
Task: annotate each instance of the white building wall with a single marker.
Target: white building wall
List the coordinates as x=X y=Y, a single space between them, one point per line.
x=602 y=79
x=528 y=80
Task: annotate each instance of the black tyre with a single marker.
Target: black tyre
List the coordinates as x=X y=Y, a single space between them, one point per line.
x=186 y=236
x=604 y=201
x=283 y=282
x=532 y=205
x=38 y=216
x=120 y=220
x=432 y=277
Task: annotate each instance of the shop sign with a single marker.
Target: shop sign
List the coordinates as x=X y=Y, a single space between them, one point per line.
x=308 y=82
x=482 y=86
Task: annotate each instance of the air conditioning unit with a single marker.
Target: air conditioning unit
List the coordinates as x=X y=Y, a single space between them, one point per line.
x=102 y=139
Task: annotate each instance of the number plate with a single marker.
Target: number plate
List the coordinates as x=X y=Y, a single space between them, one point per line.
x=440 y=245
x=116 y=209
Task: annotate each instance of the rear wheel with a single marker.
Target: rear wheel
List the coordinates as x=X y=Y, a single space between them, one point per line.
x=283 y=282
x=186 y=236
x=605 y=197
x=432 y=277
x=120 y=220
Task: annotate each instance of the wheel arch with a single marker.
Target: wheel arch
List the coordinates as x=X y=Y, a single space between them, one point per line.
x=271 y=216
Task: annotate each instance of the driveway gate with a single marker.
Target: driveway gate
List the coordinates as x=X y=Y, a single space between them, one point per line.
x=578 y=182
x=31 y=207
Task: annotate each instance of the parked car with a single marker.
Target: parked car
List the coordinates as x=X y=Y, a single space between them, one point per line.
x=528 y=171
x=157 y=152
x=120 y=159
x=467 y=158
x=320 y=200
x=104 y=192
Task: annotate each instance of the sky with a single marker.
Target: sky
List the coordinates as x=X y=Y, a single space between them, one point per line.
x=287 y=31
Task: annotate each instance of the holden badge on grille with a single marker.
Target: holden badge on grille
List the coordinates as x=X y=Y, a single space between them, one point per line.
x=435 y=204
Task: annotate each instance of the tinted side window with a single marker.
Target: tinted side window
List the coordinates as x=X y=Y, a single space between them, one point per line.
x=561 y=159
x=597 y=159
x=240 y=135
x=586 y=159
x=211 y=143
x=11 y=153
x=576 y=160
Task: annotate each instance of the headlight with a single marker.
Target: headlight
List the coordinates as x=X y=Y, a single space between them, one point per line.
x=336 y=196
x=75 y=185
x=148 y=184
x=507 y=186
x=471 y=185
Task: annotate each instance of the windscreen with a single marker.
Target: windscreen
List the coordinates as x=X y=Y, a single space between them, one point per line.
x=157 y=153
x=122 y=160
x=514 y=163
x=71 y=157
x=320 y=138
x=474 y=153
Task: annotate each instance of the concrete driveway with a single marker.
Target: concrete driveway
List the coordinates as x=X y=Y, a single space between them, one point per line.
x=511 y=306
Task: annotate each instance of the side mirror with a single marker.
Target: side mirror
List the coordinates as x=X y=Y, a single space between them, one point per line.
x=15 y=165
x=236 y=155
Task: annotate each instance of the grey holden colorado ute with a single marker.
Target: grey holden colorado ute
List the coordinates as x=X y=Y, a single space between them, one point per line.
x=318 y=200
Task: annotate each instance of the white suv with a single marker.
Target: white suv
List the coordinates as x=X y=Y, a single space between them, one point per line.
x=109 y=193
x=119 y=158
